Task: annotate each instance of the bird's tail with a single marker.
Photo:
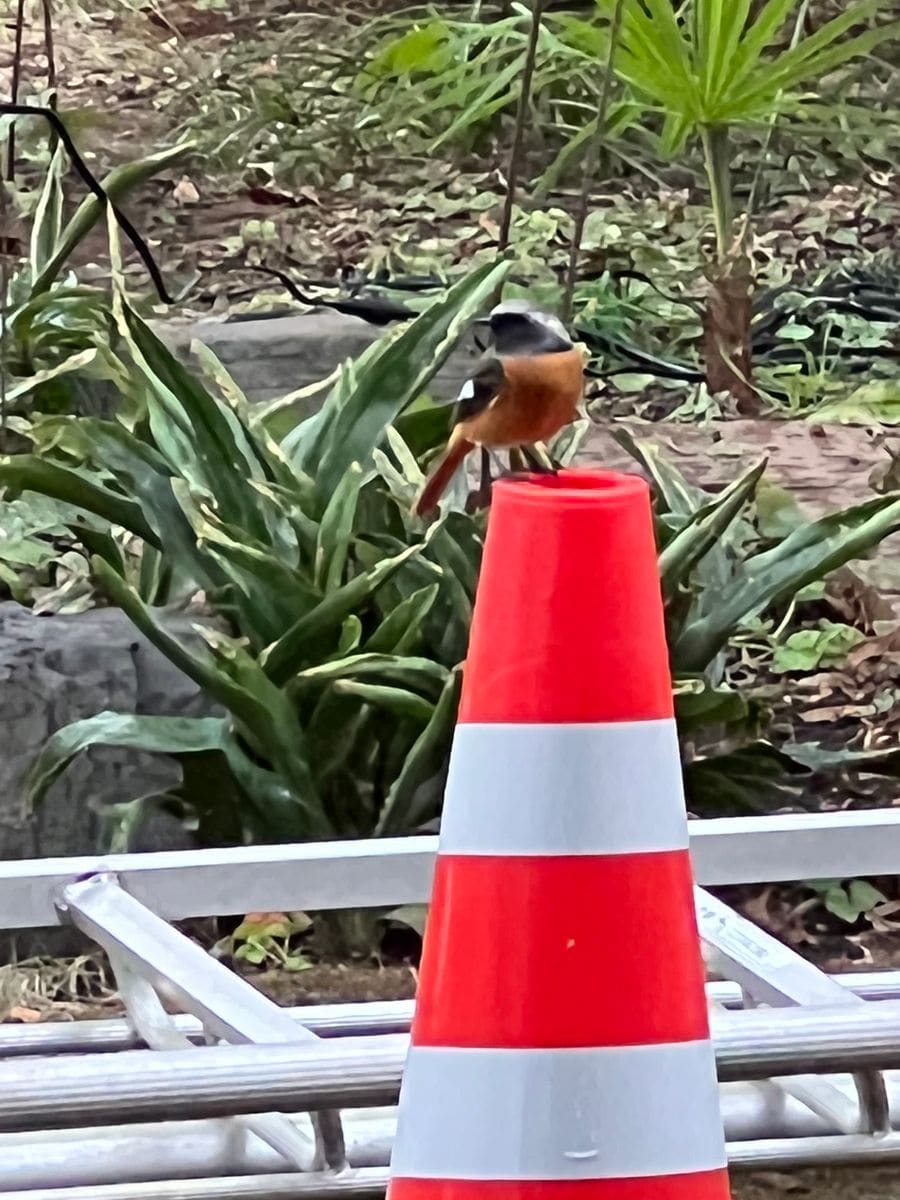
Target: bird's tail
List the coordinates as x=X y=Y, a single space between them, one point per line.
x=441 y=474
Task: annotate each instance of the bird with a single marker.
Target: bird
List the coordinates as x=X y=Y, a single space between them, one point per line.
x=524 y=390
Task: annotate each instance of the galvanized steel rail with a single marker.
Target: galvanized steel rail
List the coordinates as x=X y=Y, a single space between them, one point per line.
x=81 y=1111
x=393 y=871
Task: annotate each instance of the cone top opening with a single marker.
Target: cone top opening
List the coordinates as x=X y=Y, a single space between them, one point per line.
x=581 y=488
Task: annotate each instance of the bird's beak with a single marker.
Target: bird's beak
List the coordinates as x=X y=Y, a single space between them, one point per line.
x=482 y=321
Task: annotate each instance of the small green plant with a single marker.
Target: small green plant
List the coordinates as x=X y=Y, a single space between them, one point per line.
x=336 y=623
x=808 y=649
x=847 y=899
x=268 y=940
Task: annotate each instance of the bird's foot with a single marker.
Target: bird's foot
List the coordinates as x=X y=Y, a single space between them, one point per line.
x=537 y=464
x=481 y=497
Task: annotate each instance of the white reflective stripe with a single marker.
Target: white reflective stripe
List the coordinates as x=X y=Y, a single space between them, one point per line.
x=613 y=788
x=596 y=1113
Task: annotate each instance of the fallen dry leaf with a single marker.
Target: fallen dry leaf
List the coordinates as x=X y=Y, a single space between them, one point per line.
x=25 y=1016
x=264 y=918
x=185 y=192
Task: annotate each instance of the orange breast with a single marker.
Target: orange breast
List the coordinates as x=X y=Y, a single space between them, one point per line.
x=539 y=396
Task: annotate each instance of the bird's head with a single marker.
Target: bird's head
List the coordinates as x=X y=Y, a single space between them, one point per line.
x=520 y=327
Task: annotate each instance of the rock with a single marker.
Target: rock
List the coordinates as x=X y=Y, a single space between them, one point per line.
x=58 y=669
x=273 y=356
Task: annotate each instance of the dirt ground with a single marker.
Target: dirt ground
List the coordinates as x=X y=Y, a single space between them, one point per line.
x=843 y=1184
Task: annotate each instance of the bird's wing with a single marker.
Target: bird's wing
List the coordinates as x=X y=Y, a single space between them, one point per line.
x=479 y=389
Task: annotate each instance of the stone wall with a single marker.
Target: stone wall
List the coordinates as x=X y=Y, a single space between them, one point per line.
x=58 y=669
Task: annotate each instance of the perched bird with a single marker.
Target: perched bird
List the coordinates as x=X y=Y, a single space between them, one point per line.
x=524 y=391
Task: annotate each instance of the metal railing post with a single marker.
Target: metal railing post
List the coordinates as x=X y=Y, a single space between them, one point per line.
x=150 y=955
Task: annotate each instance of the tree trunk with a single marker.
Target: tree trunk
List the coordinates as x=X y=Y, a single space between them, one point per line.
x=727 y=345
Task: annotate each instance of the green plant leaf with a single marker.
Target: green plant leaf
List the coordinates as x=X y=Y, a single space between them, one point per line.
x=458 y=577
x=396 y=700
x=755 y=85
x=257 y=708
x=336 y=529
x=677 y=501
x=705 y=527
x=881 y=761
x=269 y=718
x=284 y=658
x=26 y=472
x=410 y=802
x=865 y=895
x=674 y=494
x=142 y=473
x=413 y=916
x=203 y=441
x=47 y=220
x=126 y=731
x=253 y=954
x=708 y=706
x=31 y=382
x=755 y=779
x=414 y=50
x=758 y=37
x=847 y=902
x=720 y=30
x=809 y=649
x=803 y=557
x=400 y=630
x=417 y=674
x=267 y=587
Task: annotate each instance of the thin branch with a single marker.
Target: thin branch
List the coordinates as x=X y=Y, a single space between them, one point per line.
x=14 y=90
x=4 y=297
x=49 y=50
x=514 y=169
x=50 y=53
x=94 y=185
x=594 y=158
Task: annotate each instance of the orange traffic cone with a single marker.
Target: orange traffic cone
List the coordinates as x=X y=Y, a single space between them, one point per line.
x=560 y=1047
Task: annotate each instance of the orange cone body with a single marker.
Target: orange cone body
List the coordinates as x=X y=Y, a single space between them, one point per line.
x=560 y=1048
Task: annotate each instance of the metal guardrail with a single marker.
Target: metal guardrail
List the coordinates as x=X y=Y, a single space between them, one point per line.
x=764 y=1127
x=217 y=1101
x=393 y=871
x=369 y=1019
x=144 y=1085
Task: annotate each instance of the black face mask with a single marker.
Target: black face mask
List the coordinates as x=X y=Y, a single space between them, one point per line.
x=516 y=334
